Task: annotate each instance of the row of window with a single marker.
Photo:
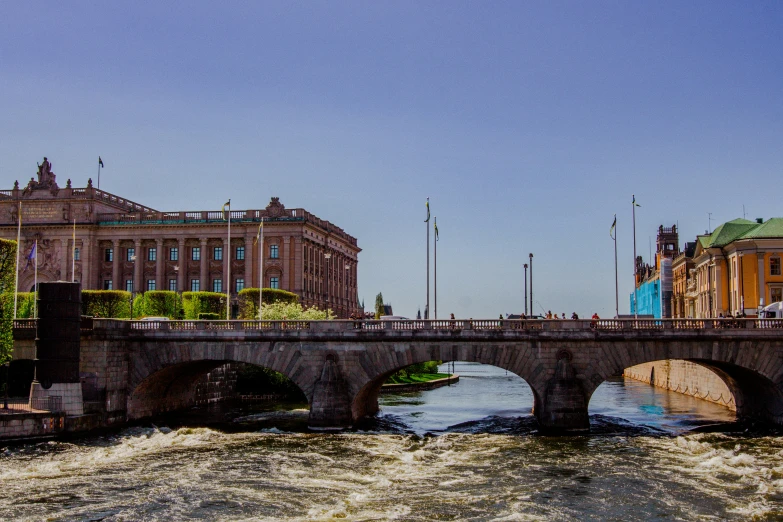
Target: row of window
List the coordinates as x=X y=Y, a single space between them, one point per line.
x=195 y=284
x=195 y=253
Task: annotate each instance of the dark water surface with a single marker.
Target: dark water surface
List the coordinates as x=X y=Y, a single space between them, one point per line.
x=465 y=452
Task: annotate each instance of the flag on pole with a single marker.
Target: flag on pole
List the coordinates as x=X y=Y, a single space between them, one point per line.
x=258 y=234
x=614 y=224
x=100 y=162
x=436 y=229
x=428 y=211
x=227 y=204
x=30 y=256
x=635 y=203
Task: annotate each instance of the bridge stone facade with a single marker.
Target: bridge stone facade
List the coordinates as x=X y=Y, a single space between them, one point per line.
x=146 y=368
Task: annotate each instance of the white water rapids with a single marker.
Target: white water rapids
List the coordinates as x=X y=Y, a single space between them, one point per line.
x=496 y=469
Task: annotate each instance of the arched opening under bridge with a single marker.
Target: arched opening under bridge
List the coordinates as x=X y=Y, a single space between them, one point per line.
x=677 y=394
x=209 y=382
x=478 y=398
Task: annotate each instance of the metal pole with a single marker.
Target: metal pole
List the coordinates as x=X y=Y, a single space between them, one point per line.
x=616 y=291
x=18 y=248
x=99 y=171
x=635 y=302
x=525 y=265
x=261 y=271
x=73 y=253
x=531 y=282
x=35 y=280
x=435 y=246
x=228 y=255
x=427 y=224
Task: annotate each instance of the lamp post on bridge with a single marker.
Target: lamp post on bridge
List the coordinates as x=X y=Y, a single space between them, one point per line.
x=327 y=257
x=530 y=256
x=525 y=265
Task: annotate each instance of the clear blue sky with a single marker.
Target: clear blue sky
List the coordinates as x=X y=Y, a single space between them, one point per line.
x=528 y=124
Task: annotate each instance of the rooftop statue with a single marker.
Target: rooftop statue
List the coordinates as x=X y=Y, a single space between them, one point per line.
x=46 y=179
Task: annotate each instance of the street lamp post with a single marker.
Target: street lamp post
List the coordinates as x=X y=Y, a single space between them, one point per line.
x=345 y=285
x=530 y=256
x=133 y=282
x=525 y=265
x=327 y=256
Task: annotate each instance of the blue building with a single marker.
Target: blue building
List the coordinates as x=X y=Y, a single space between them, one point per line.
x=648 y=296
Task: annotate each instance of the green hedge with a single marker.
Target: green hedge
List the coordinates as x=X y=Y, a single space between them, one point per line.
x=25 y=305
x=158 y=303
x=7 y=280
x=248 y=300
x=106 y=303
x=195 y=303
x=209 y=316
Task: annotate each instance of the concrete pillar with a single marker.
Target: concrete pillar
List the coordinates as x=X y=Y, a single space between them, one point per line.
x=226 y=265
x=204 y=275
x=65 y=260
x=330 y=407
x=249 y=257
x=138 y=266
x=762 y=290
x=115 y=266
x=563 y=406
x=287 y=283
x=182 y=270
x=159 y=275
x=57 y=344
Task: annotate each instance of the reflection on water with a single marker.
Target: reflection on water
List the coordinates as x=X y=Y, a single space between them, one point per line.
x=485 y=464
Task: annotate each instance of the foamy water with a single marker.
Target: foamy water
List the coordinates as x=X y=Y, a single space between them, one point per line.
x=495 y=470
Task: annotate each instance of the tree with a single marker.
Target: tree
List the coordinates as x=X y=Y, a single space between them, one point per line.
x=106 y=303
x=379 y=305
x=248 y=300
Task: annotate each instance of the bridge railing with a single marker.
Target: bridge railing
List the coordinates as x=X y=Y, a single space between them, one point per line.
x=25 y=325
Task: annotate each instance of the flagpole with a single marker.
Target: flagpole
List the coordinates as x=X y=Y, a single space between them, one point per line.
x=435 y=246
x=73 y=253
x=635 y=302
x=18 y=248
x=35 y=279
x=261 y=270
x=427 y=308
x=616 y=291
x=228 y=255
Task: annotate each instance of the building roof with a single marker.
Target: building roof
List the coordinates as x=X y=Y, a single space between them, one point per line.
x=773 y=227
x=730 y=231
x=742 y=229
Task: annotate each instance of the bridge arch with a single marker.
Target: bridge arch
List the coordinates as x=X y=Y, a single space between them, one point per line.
x=752 y=373
x=380 y=363
x=163 y=376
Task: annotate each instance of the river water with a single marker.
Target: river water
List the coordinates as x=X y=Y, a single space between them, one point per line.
x=469 y=451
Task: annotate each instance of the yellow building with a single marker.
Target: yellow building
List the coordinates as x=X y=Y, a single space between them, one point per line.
x=737 y=268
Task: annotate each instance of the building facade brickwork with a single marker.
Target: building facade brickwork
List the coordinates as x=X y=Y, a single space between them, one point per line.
x=124 y=245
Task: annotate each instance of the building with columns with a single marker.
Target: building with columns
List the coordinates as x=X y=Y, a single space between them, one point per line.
x=124 y=245
x=738 y=267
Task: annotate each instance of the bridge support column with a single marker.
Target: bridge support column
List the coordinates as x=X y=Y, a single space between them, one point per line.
x=330 y=408
x=563 y=407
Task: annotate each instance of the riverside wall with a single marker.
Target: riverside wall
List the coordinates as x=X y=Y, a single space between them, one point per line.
x=684 y=377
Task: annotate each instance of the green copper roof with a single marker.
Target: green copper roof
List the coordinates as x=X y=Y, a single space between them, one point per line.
x=773 y=227
x=730 y=231
x=742 y=229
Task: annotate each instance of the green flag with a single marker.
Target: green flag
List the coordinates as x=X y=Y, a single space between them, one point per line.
x=428 y=211
x=436 y=229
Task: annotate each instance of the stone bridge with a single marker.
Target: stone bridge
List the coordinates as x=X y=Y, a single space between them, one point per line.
x=144 y=368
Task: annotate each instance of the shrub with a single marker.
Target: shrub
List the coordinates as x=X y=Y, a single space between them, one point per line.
x=25 y=305
x=157 y=303
x=209 y=316
x=195 y=303
x=424 y=368
x=248 y=300
x=106 y=303
x=294 y=312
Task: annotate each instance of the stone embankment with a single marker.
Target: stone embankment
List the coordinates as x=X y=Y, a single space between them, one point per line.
x=419 y=386
x=684 y=377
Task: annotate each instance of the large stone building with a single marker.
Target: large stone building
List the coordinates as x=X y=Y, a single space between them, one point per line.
x=124 y=245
